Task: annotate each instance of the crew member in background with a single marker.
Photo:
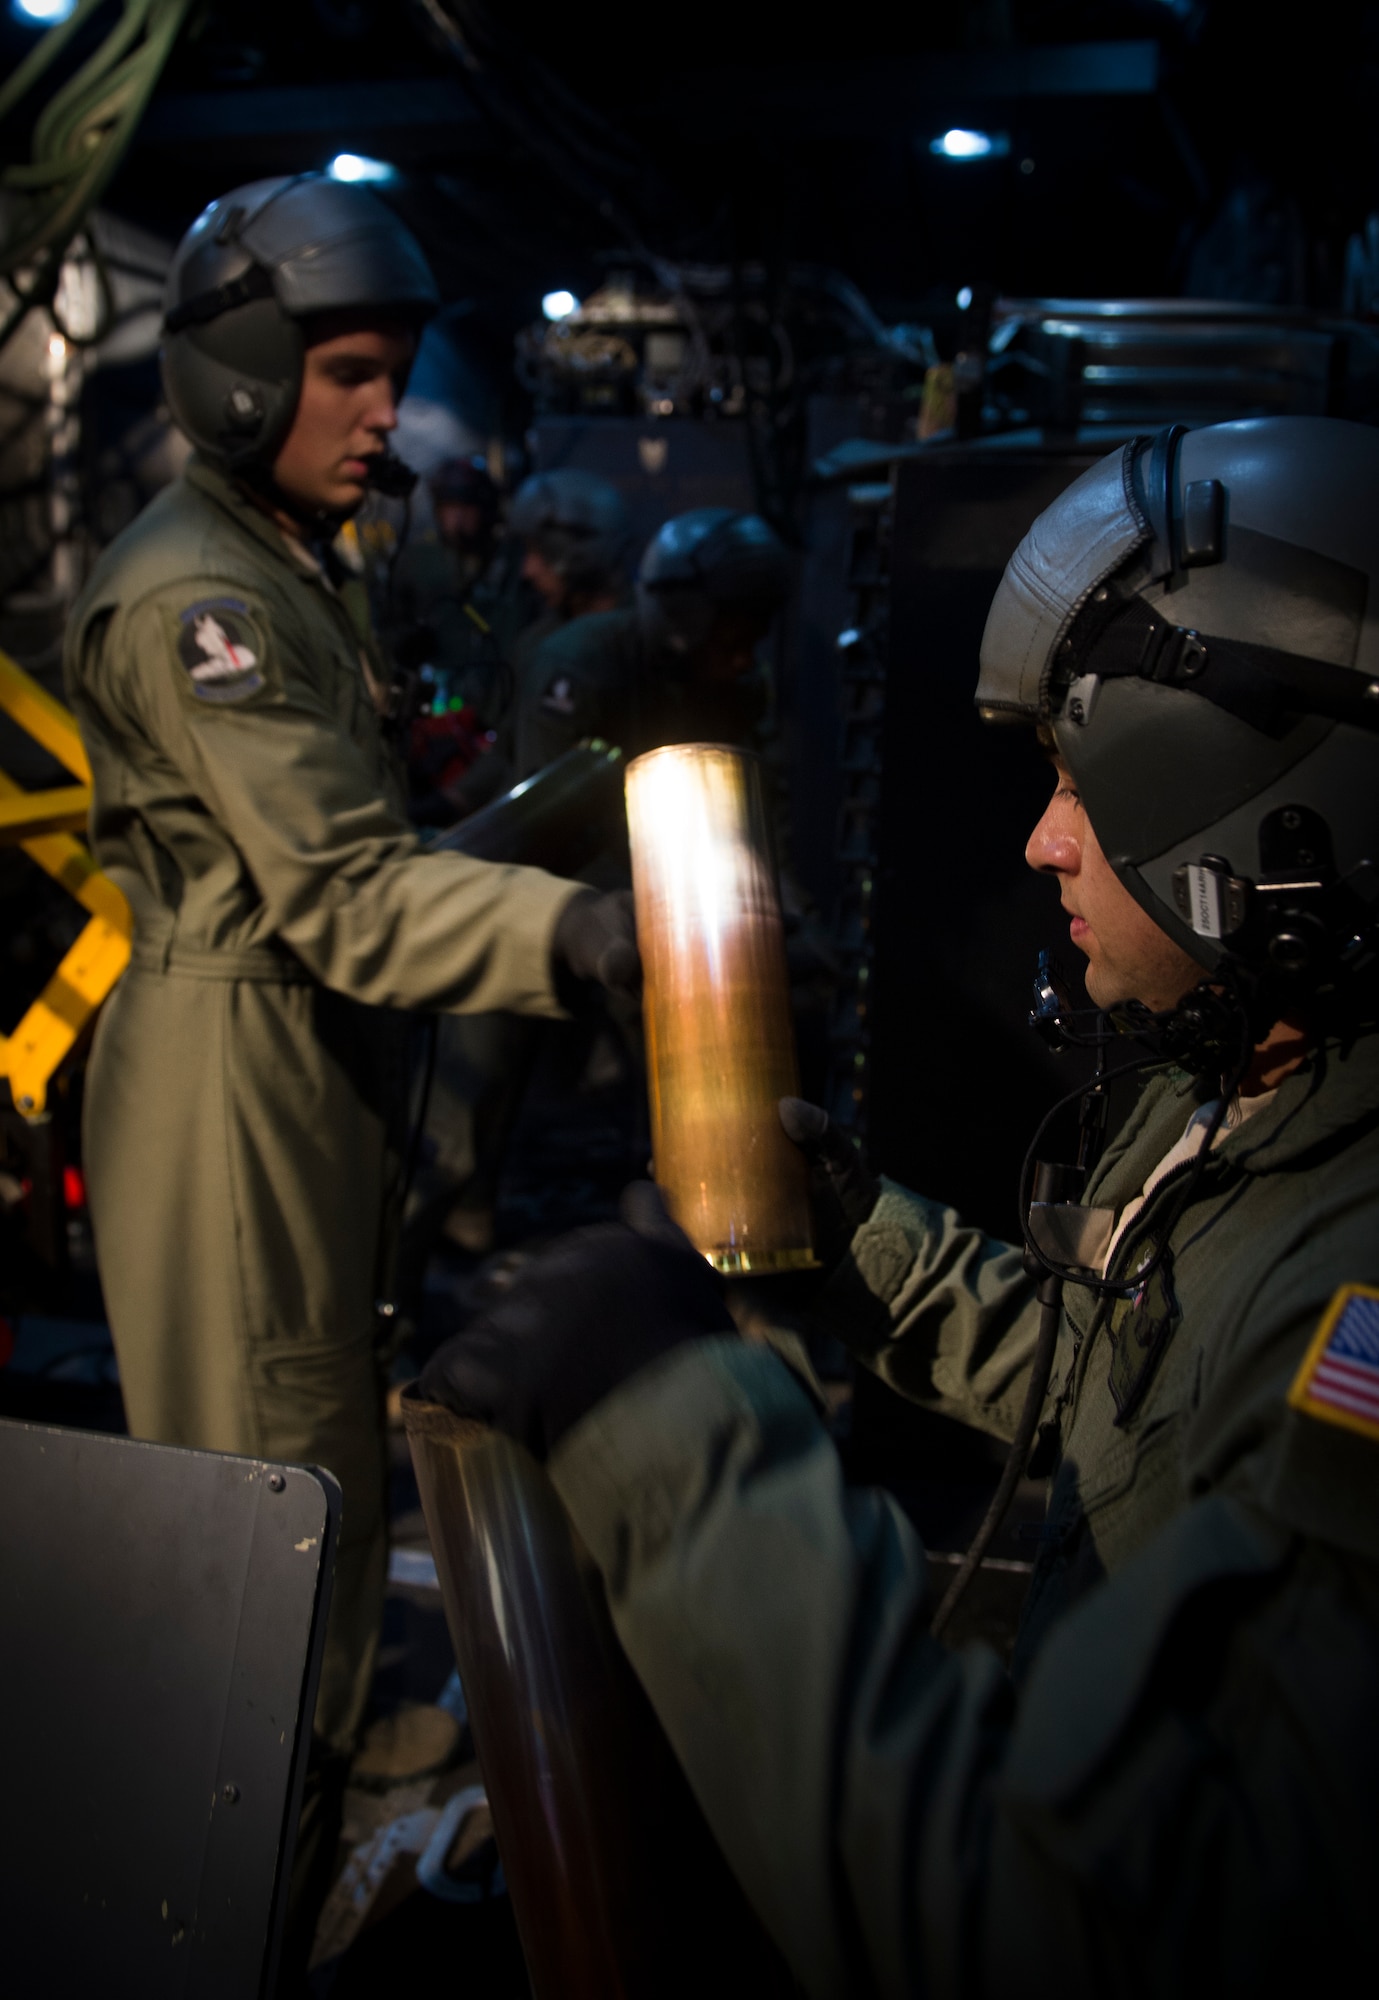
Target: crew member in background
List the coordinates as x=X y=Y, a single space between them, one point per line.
x=445 y=583
x=680 y=664
x=562 y=558
x=246 y=1094
x=570 y=532
x=576 y=542
x=1176 y=1784
x=455 y=602
x=684 y=664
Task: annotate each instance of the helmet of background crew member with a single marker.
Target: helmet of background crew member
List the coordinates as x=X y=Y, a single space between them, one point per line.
x=464 y=501
x=702 y=564
x=252 y=268
x=576 y=522
x=1196 y=621
x=465 y=482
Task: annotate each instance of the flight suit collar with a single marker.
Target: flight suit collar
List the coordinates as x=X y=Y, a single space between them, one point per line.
x=1335 y=1089
x=231 y=496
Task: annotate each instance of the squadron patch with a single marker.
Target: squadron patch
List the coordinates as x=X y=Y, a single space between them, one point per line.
x=221 y=650
x=1339 y=1377
x=560 y=696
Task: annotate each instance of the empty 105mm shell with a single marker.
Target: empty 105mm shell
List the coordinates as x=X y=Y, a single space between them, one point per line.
x=719 y=1041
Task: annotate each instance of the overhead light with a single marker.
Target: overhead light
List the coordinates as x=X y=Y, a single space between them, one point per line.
x=43 y=13
x=358 y=167
x=960 y=144
x=559 y=305
x=964 y=298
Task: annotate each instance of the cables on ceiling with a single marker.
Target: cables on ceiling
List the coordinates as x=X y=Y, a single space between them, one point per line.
x=79 y=139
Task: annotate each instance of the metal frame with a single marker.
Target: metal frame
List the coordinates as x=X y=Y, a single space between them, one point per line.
x=44 y=824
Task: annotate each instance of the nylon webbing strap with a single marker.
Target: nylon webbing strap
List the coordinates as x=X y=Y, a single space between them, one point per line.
x=255 y=283
x=1259 y=684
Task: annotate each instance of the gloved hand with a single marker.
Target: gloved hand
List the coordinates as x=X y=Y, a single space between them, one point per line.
x=842 y=1187
x=596 y=938
x=577 y=1322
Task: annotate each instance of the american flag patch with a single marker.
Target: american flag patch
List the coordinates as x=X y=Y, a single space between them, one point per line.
x=1339 y=1378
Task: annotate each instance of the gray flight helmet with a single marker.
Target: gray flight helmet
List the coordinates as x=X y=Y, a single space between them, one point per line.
x=1194 y=621
x=700 y=564
x=253 y=267
x=577 y=523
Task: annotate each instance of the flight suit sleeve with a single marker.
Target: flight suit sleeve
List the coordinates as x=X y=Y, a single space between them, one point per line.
x=1184 y=1779
x=344 y=881
x=943 y=1313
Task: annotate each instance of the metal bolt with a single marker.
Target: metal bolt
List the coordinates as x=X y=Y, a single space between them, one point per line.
x=1076 y=712
x=1292 y=818
x=276 y=1482
x=1289 y=951
x=230 y=1794
x=1099 y=596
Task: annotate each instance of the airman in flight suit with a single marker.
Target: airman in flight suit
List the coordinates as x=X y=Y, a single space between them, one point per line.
x=1175 y=1787
x=245 y=1095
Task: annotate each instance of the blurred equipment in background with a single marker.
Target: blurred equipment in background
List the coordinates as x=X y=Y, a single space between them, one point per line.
x=1084 y=367
x=675 y=351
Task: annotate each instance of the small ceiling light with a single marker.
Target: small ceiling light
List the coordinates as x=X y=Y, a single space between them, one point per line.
x=964 y=298
x=358 y=167
x=42 y=13
x=559 y=305
x=960 y=144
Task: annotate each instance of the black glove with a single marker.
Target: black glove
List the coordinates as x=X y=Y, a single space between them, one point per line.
x=576 y=1322
x=596 y=938
x=843 y=1189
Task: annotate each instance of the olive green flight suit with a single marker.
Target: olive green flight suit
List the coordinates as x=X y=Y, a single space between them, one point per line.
x=245 y=1099
x=1178 y=1790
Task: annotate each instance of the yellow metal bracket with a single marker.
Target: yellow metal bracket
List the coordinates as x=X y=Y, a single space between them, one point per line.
x=43 y=824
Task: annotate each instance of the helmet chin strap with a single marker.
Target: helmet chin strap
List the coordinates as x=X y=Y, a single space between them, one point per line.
x=1209 y=1032
x=387 y=474
x=1212 y=1029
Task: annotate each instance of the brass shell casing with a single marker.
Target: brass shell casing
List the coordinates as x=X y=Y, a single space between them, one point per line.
x=720 y=1045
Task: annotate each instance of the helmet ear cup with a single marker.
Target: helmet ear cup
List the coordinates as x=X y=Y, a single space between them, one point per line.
x=233 y=385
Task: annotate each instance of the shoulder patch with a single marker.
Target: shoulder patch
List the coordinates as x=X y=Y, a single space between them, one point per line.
x=1339 y=1377
x=220 y=649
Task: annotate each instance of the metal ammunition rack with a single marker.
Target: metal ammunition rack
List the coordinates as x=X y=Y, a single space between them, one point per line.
x=862 y=701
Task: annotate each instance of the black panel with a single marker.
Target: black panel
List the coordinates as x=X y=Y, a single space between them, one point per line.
x=958 y=1081
x=163 y=1613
